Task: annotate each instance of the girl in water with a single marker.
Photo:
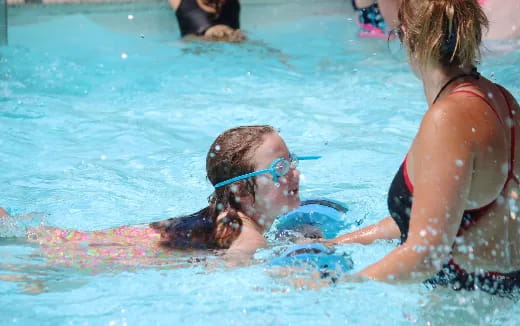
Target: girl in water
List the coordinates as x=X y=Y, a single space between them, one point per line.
x=255 y=179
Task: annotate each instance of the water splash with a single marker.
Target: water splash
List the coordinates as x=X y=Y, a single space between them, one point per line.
x=17 y=226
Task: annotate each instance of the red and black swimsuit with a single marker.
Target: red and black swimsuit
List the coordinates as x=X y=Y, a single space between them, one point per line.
x=400 y=196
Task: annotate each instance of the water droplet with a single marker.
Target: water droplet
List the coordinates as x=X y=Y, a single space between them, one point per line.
x=419 y=248
x=211 y=154
x=490 y=95
x=217 y=148
x=504 y=168
x=234 y=188
x=103 y=157
x=473 y=130
x=130 y=17
x=220 y=206
x=237 y=199
x=459 y=163
x=124 y=56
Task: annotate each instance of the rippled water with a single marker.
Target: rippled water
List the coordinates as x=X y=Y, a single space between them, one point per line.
x=90 y=140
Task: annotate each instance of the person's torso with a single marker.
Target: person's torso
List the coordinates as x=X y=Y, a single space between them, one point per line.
x=488 y=237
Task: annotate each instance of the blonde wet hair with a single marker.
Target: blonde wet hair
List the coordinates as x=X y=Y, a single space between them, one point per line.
x=444 y=32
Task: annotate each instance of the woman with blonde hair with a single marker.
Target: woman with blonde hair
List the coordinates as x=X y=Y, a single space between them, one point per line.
x=454 y=201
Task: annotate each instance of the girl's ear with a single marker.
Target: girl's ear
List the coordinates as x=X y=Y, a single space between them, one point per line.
x=242 y=196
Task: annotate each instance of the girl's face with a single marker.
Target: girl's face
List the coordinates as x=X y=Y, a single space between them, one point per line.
x=273 y=199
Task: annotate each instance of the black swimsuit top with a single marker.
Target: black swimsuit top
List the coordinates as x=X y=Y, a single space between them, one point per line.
x=401 y=190
x=400 y=197
x=193 y=19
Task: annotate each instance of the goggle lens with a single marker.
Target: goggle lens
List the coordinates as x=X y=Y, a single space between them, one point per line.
x=282 y=167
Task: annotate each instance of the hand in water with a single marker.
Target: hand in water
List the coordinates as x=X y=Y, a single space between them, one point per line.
x=327 y=243
x=224 y=33
x=316 y=282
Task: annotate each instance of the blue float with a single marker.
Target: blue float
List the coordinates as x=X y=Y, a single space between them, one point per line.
x=329 y=216
x=314 y=255
x=320 y=217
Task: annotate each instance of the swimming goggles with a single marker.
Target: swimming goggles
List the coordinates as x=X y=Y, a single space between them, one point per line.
x=278 y=168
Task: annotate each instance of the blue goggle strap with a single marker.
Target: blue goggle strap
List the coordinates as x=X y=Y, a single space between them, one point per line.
x=271 y=170
x=304 y=158
x=242 y=177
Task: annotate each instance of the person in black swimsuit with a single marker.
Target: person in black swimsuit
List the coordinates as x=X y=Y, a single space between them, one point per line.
x=214 y=20
x=454 y=202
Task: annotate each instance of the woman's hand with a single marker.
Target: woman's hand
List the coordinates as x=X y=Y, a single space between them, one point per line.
x=223 y=33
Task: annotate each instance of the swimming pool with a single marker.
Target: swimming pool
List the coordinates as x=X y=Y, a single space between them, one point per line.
x=106 y=118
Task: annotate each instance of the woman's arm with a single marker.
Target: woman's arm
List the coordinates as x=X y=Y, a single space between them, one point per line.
x=442 y=159
x=386 y=229
x=175 y=4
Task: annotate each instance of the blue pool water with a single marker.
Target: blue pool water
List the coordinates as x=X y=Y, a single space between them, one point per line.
x=90 y=140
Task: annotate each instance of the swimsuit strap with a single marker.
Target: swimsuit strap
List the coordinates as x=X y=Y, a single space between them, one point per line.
x=482 y=98
x=473 y=73
x=406 y=177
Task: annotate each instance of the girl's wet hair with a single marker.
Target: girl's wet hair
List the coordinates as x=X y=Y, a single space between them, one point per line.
x=445 y=32
x=229 y=156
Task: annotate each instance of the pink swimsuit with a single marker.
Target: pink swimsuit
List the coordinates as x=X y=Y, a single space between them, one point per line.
x=123 y=245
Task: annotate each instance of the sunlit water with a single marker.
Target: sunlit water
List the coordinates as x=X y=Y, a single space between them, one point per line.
x=106 y=120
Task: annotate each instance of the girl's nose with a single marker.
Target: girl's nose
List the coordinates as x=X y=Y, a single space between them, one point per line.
x=295 y=173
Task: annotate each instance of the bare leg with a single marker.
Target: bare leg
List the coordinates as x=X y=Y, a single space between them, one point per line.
x=3 y=212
